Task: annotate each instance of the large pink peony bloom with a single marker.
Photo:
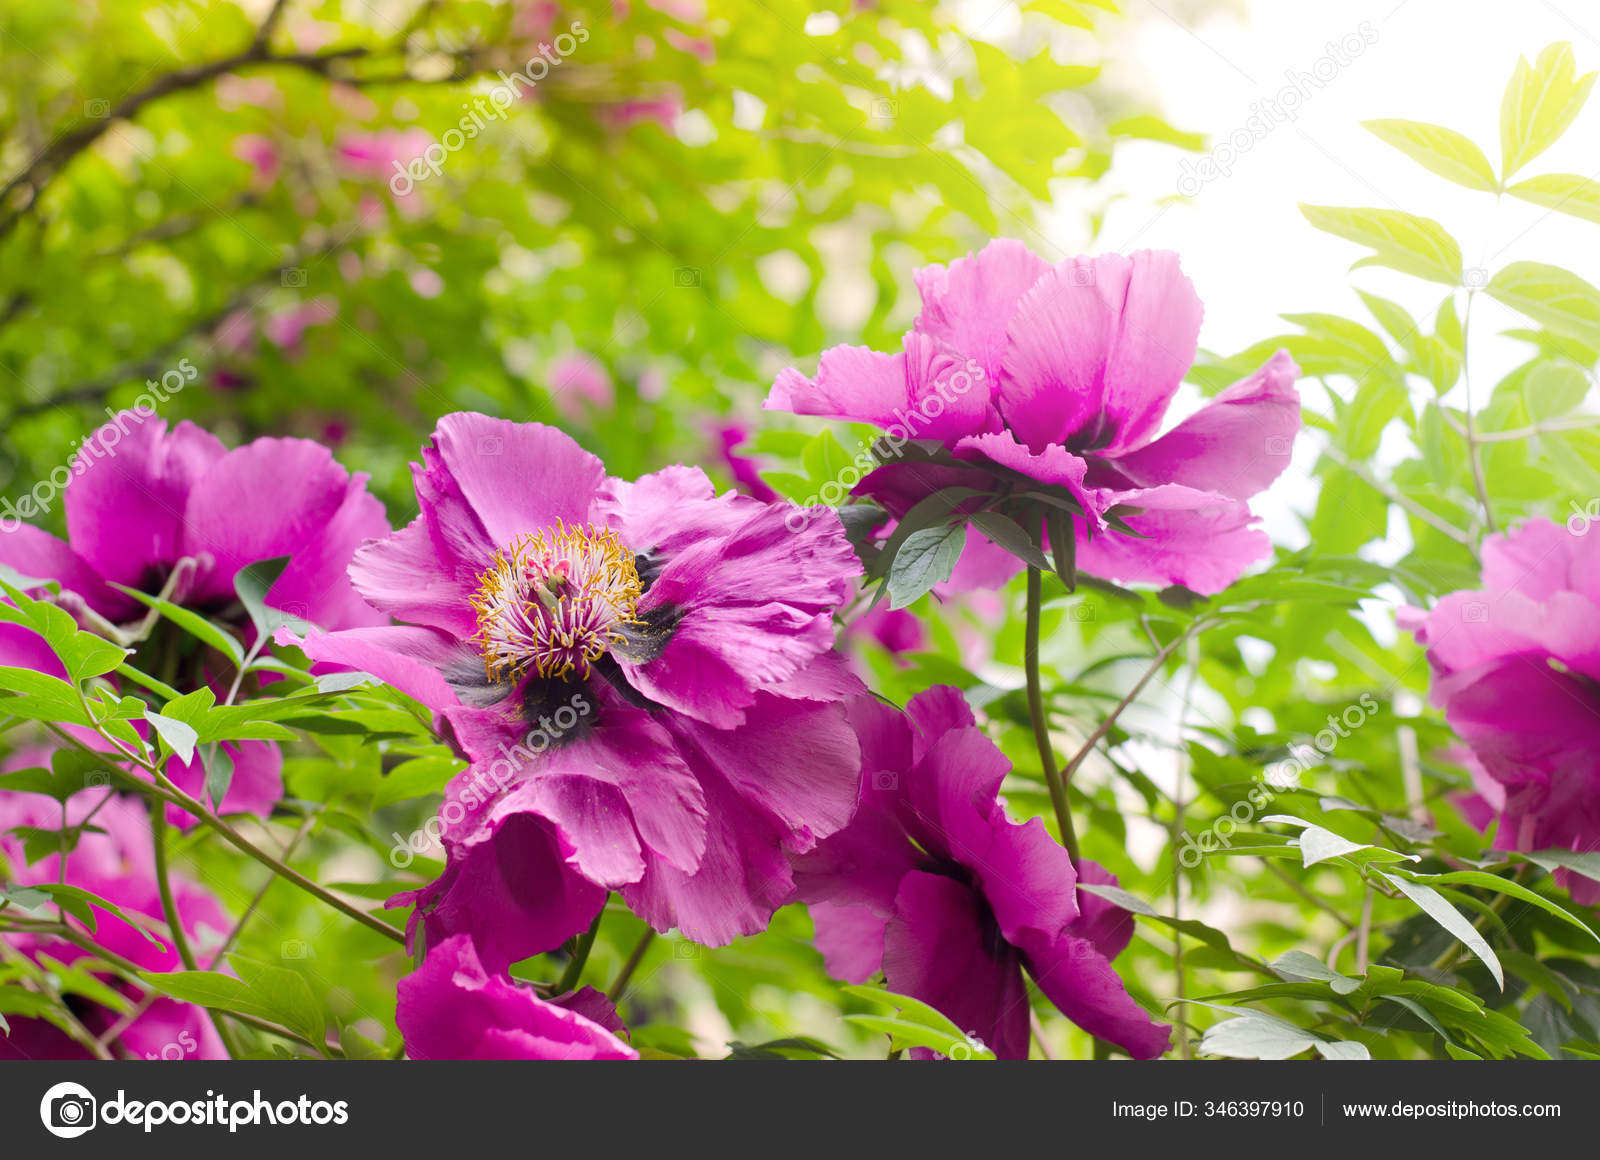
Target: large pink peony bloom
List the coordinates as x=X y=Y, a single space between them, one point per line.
x=1060 y=375
x=117 y=865
x=642 y=675
x=451 y=1008
x=934 y=886
x=1516 y=669
x=175 y=511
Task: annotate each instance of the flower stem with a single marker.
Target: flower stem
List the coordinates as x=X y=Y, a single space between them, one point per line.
x=634 y=959
x=580 y=956
x=169 y=906
x=1041 y=725
x=1474 y=454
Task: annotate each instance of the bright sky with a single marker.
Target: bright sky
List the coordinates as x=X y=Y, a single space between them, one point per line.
x=1446 y=61
x=1252 y=255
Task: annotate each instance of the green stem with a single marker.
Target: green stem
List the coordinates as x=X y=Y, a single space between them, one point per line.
x=1474 y=454
x=1041 y=725
x=620 y=986
x=580 y=956
x=169 y=906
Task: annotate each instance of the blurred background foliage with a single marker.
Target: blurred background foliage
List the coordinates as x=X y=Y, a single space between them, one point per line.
x=693 y=196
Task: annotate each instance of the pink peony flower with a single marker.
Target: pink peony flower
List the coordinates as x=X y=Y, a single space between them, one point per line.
x=642 y=675
x=1019 y=373
x=451 y=1008
x=933 y=885
x=1516 y=669
x=174 y=511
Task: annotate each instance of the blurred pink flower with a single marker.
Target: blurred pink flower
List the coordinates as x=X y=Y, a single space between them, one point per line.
x=261 y=155
x=286 y=329
x=624 y=115
x=579 y=381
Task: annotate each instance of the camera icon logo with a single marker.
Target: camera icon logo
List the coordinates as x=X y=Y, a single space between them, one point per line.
x=1475 y=612
x=1083 y=612
x=68 y=1110
x=97 y=108
x=294 y=276
x=685 y=950
x=1279 y=445
x=686 y=276
x=97 y=779
x=885 y=780
x=296 y=948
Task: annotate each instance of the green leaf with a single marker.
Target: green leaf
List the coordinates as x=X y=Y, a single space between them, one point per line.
x=1008 y=534
x=81 y=904
x=1551 y=389
x=918 y=1025
x=1304 y=966
x=1063 y=545
x=252 y=583
x=357 y=1046
x=930 y=512
x=1540 y=101
x=1318 y=845
x=1447 y=916
x=178 y=737
x=1443 y=151
x=1552 y=297
x=144 y=680
x=86 y=655
x=1564 y=192
x=41 y=697
x=219 y=775
x=272 y=993
x=927 y=557
x=1413 y=245
x=1588 y=865
x=1514 y=889
x=196 y=626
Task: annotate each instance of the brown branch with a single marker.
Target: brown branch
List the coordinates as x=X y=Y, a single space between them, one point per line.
x=37 y=175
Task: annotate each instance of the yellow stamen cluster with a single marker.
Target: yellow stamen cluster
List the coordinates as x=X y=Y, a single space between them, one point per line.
x=554 y=601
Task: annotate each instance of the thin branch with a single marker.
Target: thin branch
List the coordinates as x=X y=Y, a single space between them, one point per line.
x=37 y=175
x=1105 y=726
x=620 y=986
x=1041 y=725
x=1437 y=523
x=1474 y=455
